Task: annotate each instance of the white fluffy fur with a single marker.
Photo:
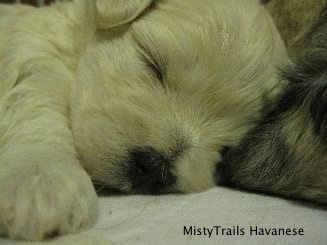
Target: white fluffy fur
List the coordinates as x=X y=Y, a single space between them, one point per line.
x=75 y=93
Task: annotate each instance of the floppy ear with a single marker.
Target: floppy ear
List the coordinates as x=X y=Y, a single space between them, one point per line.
x=113 y=13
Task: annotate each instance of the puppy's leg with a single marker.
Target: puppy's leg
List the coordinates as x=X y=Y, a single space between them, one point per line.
x=43 y=189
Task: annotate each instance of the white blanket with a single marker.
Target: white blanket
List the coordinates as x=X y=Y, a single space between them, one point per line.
x=161 y=220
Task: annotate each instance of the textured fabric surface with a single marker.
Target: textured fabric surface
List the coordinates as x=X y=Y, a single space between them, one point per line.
x=161 y=220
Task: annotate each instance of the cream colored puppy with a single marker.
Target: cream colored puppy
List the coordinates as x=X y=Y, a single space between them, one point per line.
x=136 y=95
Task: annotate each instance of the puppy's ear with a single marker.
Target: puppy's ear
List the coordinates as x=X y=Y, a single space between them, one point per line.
x=113 y=13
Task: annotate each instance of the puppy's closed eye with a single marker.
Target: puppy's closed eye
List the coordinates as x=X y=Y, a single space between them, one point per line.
x=154 y=63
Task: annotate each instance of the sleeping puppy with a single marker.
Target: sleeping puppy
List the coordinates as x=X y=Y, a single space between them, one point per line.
x=135 y=95
x=286 y=153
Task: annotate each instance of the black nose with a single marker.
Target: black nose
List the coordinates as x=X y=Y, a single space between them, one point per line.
x=150 y=171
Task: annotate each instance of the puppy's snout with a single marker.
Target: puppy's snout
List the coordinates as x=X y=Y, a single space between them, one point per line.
x=150 y=171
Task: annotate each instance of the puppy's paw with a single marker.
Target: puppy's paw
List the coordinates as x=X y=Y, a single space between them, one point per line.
x=42 y=201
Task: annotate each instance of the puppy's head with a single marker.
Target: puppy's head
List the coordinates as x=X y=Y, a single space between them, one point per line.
x=159 y=96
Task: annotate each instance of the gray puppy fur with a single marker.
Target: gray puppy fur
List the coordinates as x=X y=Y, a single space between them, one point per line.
x=286 y=153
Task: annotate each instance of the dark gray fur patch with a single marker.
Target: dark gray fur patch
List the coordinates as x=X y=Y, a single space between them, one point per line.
x=263 y=161
x=259 y=162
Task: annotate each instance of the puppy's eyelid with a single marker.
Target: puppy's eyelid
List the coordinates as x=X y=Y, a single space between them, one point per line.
x=157 y=68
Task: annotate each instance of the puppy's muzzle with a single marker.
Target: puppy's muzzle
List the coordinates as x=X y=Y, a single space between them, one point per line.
x=150 y=171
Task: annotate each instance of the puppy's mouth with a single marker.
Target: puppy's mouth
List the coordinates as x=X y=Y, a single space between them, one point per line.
x=150 y=172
